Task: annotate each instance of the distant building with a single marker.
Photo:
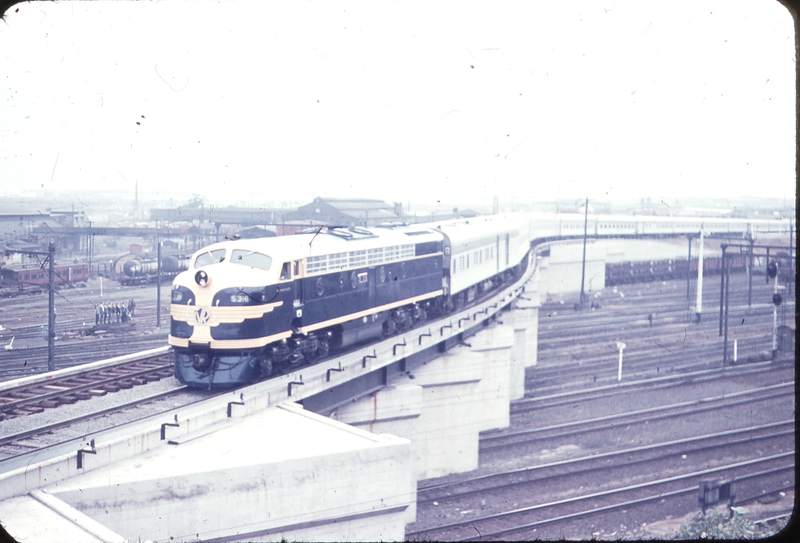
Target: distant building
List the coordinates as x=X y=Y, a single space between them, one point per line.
x=215 y=215
x=345 y=212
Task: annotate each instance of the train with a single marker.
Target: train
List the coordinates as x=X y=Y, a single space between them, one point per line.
x=141 y=271
x=17 y=279
x=247 y=309
x=621 y=273
x=564 y=225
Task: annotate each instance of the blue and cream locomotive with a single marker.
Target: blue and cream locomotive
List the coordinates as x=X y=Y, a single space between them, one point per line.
x=248 y=308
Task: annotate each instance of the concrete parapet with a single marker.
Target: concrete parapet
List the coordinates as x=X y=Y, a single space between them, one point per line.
x=280 y=473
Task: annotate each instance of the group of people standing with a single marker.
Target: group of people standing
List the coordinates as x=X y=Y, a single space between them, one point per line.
x=108 y=313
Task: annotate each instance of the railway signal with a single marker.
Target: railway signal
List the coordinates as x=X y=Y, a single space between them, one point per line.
x=772 y=271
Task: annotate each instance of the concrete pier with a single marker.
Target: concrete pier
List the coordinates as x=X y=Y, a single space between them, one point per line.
x=443 y=405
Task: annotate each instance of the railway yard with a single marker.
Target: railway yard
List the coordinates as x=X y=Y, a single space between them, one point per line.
x=78 y=339
x=585 y=456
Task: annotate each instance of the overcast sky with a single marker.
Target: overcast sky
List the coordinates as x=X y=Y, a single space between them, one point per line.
x=283 y=101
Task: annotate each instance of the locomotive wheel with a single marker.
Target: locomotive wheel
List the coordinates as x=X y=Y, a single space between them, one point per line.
x=389 y=327
x=265 y=365
x=322 y=347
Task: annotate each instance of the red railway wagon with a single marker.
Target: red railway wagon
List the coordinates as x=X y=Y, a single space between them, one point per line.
x=71 y=273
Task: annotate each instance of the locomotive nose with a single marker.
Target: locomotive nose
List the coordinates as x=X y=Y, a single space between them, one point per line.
x=201 y=278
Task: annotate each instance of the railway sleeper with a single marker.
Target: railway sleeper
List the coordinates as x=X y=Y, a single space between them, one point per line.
x=125 y=383
x=82 y=394
x=77 y=381
x=19 y=395
x=69 y=398
x=28 y=410
x=111 y=388
x=54 y=388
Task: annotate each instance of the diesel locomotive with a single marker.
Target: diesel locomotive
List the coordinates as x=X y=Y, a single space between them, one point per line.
x=246 y=309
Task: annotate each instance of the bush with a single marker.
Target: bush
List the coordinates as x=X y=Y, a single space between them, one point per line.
x=717 y=525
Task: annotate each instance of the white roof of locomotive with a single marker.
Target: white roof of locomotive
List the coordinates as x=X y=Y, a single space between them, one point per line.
x=298 y=246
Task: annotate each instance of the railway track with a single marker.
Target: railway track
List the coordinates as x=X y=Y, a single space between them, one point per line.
x=642 y=416
x=77 y=339
x=47 y=435
x=523 y=522
x=579 y=457
x=572 y=490
x=32 y=398
x=577 y=348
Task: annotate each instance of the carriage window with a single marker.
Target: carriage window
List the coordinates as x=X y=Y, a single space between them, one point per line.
x=209 y=257
x=251 y=258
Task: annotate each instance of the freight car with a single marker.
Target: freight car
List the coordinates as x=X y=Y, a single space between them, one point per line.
x=141 y=271
x=35 y=278
x=621 y=273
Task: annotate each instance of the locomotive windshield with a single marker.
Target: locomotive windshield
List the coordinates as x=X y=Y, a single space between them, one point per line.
x=209 y=257
x=251 y=258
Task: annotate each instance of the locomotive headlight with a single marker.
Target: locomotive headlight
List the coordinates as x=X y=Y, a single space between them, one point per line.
x=240 y=298
x=201 y=278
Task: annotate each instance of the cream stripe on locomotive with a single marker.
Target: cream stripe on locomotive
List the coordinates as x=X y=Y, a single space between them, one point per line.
x=370 y=311
x=215 y=315
x=253 y=343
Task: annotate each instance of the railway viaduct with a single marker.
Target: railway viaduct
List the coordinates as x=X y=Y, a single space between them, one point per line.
x=328 y=452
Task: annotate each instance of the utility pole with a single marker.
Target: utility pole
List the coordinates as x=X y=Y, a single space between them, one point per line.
x=583 y=262
x=51 y=309
x=689 y=271
x=158 y=286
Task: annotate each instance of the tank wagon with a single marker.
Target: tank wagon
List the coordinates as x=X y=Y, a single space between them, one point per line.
x=246 y=309
x=141 y=271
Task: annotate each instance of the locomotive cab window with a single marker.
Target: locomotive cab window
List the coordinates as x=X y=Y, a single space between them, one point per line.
x=251 y=258
x=286 y=271
x=209 y=257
